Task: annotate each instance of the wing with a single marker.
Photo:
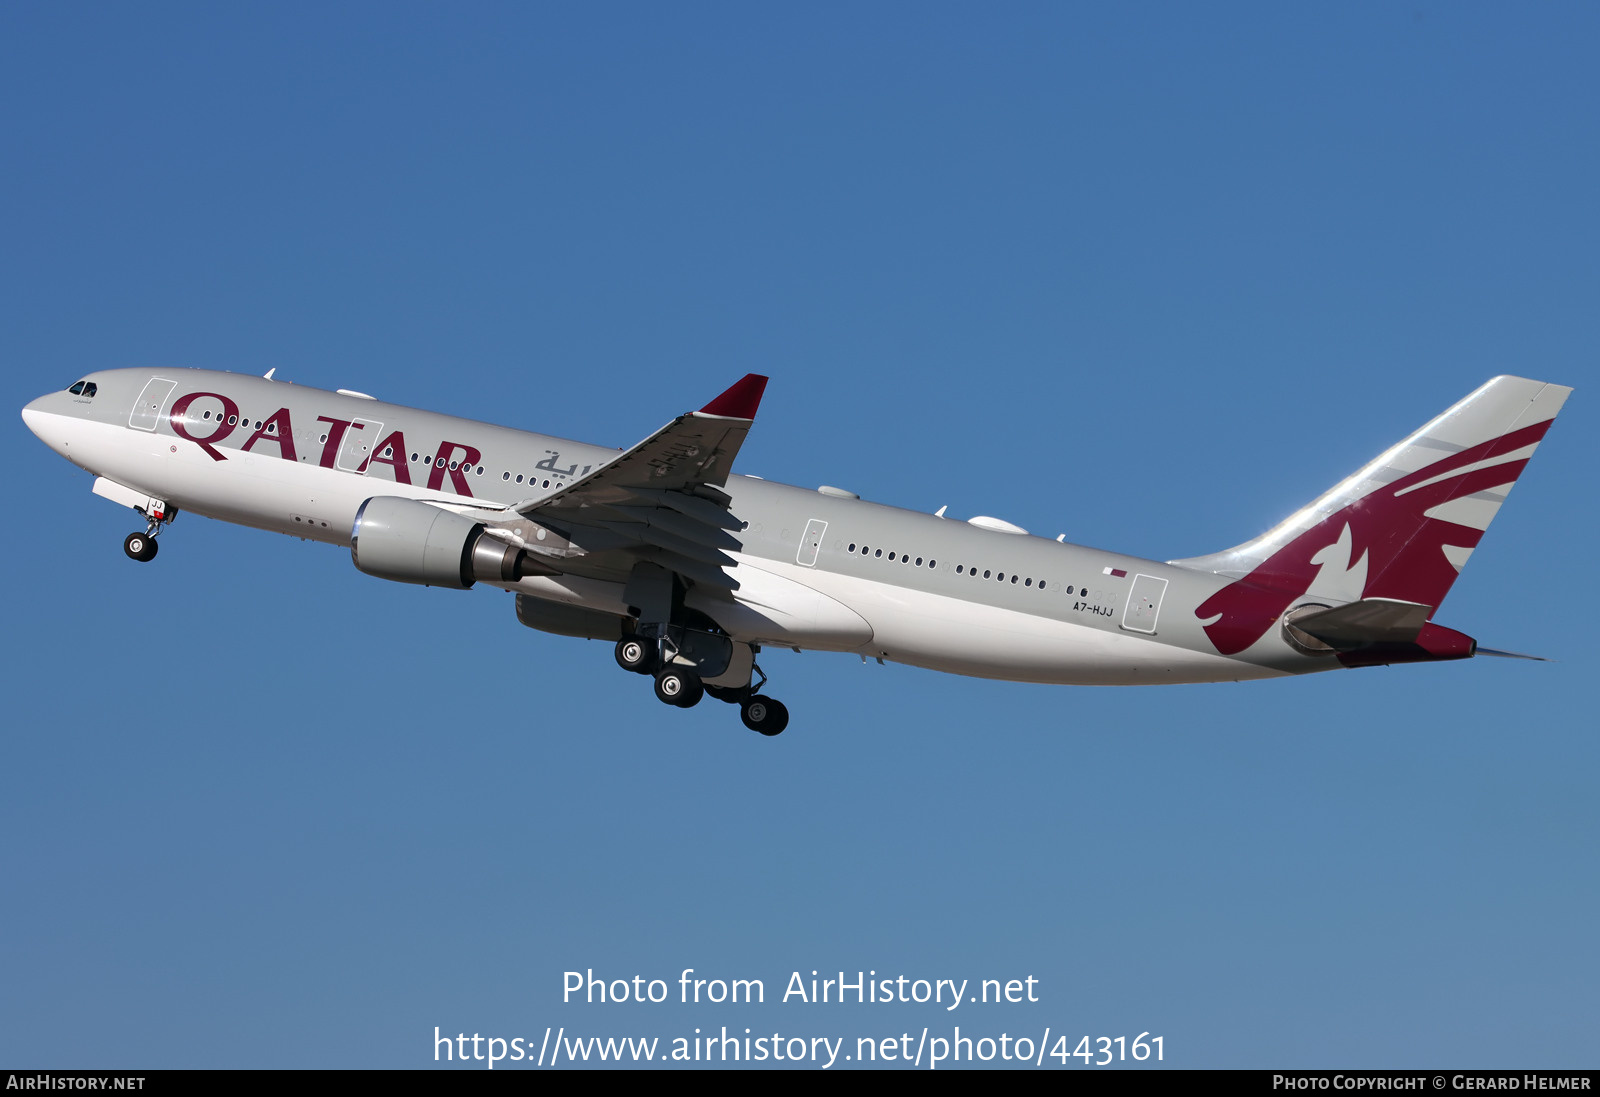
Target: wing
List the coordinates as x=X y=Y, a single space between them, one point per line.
x=660 y=501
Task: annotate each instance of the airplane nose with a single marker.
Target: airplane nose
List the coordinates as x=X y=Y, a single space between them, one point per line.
x=34 y=414
x=45 y=422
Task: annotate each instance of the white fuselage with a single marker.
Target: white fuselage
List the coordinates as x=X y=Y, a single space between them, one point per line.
x=879 y=581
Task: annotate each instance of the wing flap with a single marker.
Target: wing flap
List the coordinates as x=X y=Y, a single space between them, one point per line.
x=689 y=568
x=662 y=498
x=700 y=508
x=679 y=525
x=646 y=535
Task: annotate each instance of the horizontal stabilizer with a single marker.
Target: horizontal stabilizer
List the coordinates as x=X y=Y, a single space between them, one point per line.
x=1511 y=655
x=1369 y=621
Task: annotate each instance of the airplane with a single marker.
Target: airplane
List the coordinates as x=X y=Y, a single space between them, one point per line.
x=690 y=570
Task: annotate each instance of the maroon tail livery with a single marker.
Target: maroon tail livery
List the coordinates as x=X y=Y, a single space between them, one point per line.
x=1400 y=529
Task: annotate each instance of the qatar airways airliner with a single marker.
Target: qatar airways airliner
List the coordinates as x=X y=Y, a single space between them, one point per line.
x=692 y=569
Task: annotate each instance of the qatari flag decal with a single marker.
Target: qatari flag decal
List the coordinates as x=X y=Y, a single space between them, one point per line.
x=1118 y=572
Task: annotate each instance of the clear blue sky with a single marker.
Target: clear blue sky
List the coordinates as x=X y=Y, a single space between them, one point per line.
x=1149 y=275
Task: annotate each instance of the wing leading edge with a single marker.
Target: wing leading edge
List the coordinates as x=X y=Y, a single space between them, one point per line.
x=661 y=501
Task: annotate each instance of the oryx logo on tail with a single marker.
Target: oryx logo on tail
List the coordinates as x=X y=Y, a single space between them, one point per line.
x=1401 y=528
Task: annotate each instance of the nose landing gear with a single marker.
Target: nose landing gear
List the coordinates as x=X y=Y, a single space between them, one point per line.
x=142 y=546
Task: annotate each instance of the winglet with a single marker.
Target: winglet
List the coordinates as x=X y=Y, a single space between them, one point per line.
x=741 y=400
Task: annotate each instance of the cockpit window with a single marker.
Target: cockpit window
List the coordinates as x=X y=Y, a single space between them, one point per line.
x=77 y=390
x=84 y=388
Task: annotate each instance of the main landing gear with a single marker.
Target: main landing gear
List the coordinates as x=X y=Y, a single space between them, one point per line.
x=142 y=546
x=680 y=684
x=763 y=714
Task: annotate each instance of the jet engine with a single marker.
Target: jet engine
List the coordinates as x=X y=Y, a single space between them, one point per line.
x=412 y=542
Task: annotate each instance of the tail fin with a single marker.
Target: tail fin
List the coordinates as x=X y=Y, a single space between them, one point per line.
x=1400 y=528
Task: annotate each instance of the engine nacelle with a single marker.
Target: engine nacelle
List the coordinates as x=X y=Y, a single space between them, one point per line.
x=412 y=542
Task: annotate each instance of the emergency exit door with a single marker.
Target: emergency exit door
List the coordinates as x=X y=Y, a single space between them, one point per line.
x=811 y=542
x=1144 y=603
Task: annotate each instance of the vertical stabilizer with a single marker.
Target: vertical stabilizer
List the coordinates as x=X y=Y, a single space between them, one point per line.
x=1401 y=527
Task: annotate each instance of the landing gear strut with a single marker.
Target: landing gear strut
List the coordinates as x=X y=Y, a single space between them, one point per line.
x=678 y=681
x=142 y=546
x=758 y=711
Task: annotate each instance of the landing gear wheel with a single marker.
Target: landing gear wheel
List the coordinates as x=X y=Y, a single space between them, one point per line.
x=139 y=546
x=636 y=654
x=727 y=693
x=765 y=715
x=680 y=687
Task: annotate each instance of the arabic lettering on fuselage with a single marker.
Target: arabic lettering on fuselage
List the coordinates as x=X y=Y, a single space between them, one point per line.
x=549 y=465
x=452 y=458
